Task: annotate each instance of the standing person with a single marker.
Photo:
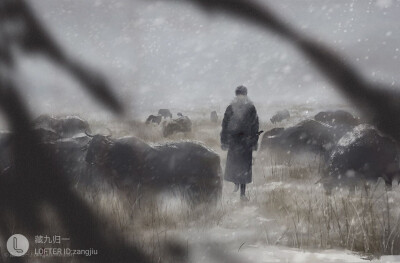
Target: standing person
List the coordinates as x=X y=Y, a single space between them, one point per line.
x=239 y=136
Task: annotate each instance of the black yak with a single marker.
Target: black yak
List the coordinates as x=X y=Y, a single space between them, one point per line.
x=187 y=166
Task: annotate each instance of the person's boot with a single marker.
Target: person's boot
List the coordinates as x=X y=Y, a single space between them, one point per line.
x=243 y=193
x=244 y=198
x=236 y=188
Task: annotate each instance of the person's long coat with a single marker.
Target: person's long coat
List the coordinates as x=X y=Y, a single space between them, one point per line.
x=239 y=136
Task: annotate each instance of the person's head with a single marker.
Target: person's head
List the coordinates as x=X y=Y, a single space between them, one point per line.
x=241 y=90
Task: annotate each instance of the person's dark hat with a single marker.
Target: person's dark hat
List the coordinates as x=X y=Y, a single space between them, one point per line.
x=241 y=90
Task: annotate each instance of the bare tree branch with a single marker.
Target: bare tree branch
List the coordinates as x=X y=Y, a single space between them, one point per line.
x=34 y=38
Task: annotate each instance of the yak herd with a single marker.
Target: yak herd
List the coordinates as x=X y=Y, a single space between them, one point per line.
x=189 y=167
x=170 y=125
x=352 y=151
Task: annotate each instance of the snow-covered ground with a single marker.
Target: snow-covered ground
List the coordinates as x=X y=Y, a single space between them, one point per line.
x=239 y=238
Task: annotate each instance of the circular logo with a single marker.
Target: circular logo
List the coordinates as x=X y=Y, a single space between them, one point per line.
x=17 y=245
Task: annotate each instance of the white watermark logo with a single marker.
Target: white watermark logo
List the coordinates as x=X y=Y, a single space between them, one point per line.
x=17 y=245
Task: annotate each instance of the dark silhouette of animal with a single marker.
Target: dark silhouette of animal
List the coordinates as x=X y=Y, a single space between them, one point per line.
x=182 y=124
x=187 y=166
x=280 y=116
x=339 y=118
x=341 y=121
x=68 y=154
x=214 y=116
x=47 y=135
x=63 y=126
x=165 y=113
x=307 y=136
x=154 y=119
x=362 y=155
x=7 y=139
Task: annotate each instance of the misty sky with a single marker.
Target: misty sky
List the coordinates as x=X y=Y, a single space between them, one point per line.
x=164 y=54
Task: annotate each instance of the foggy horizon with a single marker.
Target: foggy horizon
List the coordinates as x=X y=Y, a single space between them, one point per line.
x=165 y=54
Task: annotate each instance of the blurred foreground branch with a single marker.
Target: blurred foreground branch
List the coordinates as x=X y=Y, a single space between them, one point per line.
x=20 y=29
x=33 y=181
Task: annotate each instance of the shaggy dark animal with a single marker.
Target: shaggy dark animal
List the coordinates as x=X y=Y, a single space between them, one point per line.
x=363 y=154
x=47 y=135
x=68 y=153
x=182 y=124
x=154 y=119
x=339 y=118
x=280 y=116
x=165 y=113
x=187 y=166
x=7 y=139
x=306 y=136
x=63 y=126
